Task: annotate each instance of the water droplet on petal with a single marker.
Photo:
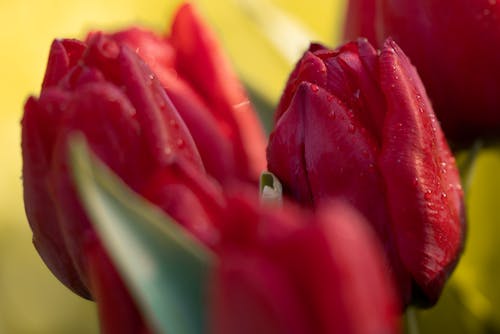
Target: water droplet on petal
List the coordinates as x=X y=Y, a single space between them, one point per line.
x=428 y=194
x=415 y=181
x=314 y=88
x=356 y=94
x=173 y=124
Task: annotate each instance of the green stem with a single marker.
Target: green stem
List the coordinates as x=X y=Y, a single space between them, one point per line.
x=411 y=321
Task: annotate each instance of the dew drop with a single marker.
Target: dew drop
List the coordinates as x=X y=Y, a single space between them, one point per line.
x=173 y=124
x=428 y=194
x=180 y=143
x=444 y=167
x=332 y=114
x=415 y=181
x=444 y=195
x=356 y=94
x=314 y=88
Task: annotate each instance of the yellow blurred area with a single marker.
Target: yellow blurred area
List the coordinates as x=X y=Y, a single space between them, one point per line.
x=31 y=299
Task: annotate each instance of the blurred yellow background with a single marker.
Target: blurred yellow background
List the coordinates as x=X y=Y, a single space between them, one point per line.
x=31 y=299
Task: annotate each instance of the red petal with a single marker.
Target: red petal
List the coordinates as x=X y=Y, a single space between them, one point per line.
x=202 y=63
x=64 y=54
x=190 y=198
x=332 y=258
x=40 y=208
x=309 y=69
x=250 y=295
x=423 y=186
x=285 y=152
x=117 y=311
x=167 y=133
x=360 y=20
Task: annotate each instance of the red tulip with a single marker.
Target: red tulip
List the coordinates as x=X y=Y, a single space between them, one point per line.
x=105 y=91
x=278 y=271
x=282 y=272
x=358 y=125
x=455 y=46
x=198 y=77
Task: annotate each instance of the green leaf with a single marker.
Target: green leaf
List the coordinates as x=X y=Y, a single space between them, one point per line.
x=270 y=187
x=165 y=268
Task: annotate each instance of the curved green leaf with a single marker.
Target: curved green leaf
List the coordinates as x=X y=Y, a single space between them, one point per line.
x=165 y=268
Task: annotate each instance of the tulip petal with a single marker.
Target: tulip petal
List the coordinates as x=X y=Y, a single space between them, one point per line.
x=360 y=20
x=285 y=152
x=216 y=151
x=309 y=69
x=166 y=133
x=102 y=112
x=64 y=54
x=319 y=149
x=39 y=205
x=422 y=182
x=251 y=295
x=182 y=186
x=117 y=311
x=340 y=156
x=211 y=142
x=203 y=63
x=332 y=259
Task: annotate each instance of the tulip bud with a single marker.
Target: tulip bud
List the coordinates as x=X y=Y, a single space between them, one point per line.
x=357 y=125
x=105 y=91
x=198 y=77
x=285 y=272
x=461 y=74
